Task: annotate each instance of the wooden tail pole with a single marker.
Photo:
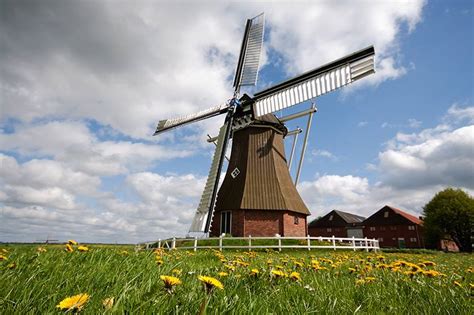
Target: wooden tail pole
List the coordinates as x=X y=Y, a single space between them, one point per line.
x=305 y=142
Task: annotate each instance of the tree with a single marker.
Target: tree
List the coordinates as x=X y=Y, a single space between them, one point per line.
x=450 y=212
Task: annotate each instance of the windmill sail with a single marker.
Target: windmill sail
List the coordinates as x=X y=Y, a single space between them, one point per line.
x=316 y=82
x=167 y=124
x=250 y=51
x=202 y=218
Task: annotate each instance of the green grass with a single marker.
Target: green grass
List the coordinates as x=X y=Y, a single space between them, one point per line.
x=41 y=280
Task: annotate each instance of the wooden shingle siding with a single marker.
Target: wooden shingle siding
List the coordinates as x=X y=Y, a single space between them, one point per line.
x=264 y=182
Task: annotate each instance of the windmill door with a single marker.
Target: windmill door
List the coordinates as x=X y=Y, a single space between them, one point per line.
x=226 y=222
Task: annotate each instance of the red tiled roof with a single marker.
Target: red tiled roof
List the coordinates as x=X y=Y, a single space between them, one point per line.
x=407 y=216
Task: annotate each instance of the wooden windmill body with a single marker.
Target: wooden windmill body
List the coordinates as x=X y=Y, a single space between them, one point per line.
x=258 y=196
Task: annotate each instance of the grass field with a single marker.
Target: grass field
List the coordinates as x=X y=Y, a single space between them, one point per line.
x=34 y=282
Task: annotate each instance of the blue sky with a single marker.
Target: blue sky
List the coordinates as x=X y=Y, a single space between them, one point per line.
x=83 y=85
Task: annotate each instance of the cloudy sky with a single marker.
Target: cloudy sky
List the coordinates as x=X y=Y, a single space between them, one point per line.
x=83 y=84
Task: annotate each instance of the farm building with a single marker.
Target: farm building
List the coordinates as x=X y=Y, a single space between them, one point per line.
x=337 y=223
x=257 y=196
x=394 y=228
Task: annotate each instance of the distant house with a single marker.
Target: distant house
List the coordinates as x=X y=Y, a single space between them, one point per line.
x=337 y=223
x=394 y=228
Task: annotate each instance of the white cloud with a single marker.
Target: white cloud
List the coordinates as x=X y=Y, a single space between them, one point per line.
x=362 y=124
x=73 y=143
x=411 y=169
x=133 y=64
x=323 y=153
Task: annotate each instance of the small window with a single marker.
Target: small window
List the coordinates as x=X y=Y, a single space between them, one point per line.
x=372 y=228
x=329 y=230
x=296 y=220
x=413 y=239
x=385 y=215
x=393 y=228
x=337 y=229
x=380 y=239
x=235 y=172
x=411 y=227
x=331 y=217
x=382 y=228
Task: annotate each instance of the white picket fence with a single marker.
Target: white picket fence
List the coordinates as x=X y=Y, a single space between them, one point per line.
x=334 y=243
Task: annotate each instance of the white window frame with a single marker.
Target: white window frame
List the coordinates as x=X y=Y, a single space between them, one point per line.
x=411 y=227
x=385 y=215
x=328 y=230
x=372 y=228
x=296 y=220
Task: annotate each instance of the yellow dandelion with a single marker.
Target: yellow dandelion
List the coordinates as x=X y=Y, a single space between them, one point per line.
x=75 y=302
x=458 y=284
x=470 y=270
x=4 y=251
x=278 y=274
x=370 y=279
x=223 y=274
x=72 y=242
x=295 y=276
x=83 y=248
x=254 y=272
x=279 y=267
x=108 y=303
x=429 y=263
x=360 y=281
x=41 y=250
x=158 y=261
x=298 y=264
x=352 y=270
x=3 y=257
x=124 y=253
x=471 y=285
x=176 y=272
x=210 y=283
x=230 y=268
x=11 y=265
x=69 y=248
x=170 y=282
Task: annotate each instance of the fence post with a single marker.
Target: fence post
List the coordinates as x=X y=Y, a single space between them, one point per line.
x=159 y=243
x=147 y=245
x=334 y=242
x=353 y=243
x=195 y=243
x=250 y=243
x=279 y=242
x=366 y=244
x=377 y=246
x=309 y=242
x=220 y=241
x=173 y=245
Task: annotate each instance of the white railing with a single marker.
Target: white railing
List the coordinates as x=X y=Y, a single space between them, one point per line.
x=306 y=242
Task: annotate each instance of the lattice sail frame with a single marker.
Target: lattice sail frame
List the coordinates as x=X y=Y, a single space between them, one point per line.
x=315 y=83
x=201 y=220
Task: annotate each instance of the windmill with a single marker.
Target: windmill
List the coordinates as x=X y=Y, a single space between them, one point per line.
x=257 y=150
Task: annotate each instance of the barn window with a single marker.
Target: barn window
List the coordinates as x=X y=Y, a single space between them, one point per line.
x=385 y=215
x=380 y=239
x=226 y=222
x=372 y=228
x=296 y=220
x=411 y=227
x=382 y=228
x=330 y=217
x=413 y=239
x=393 y=228
x=329 y=230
